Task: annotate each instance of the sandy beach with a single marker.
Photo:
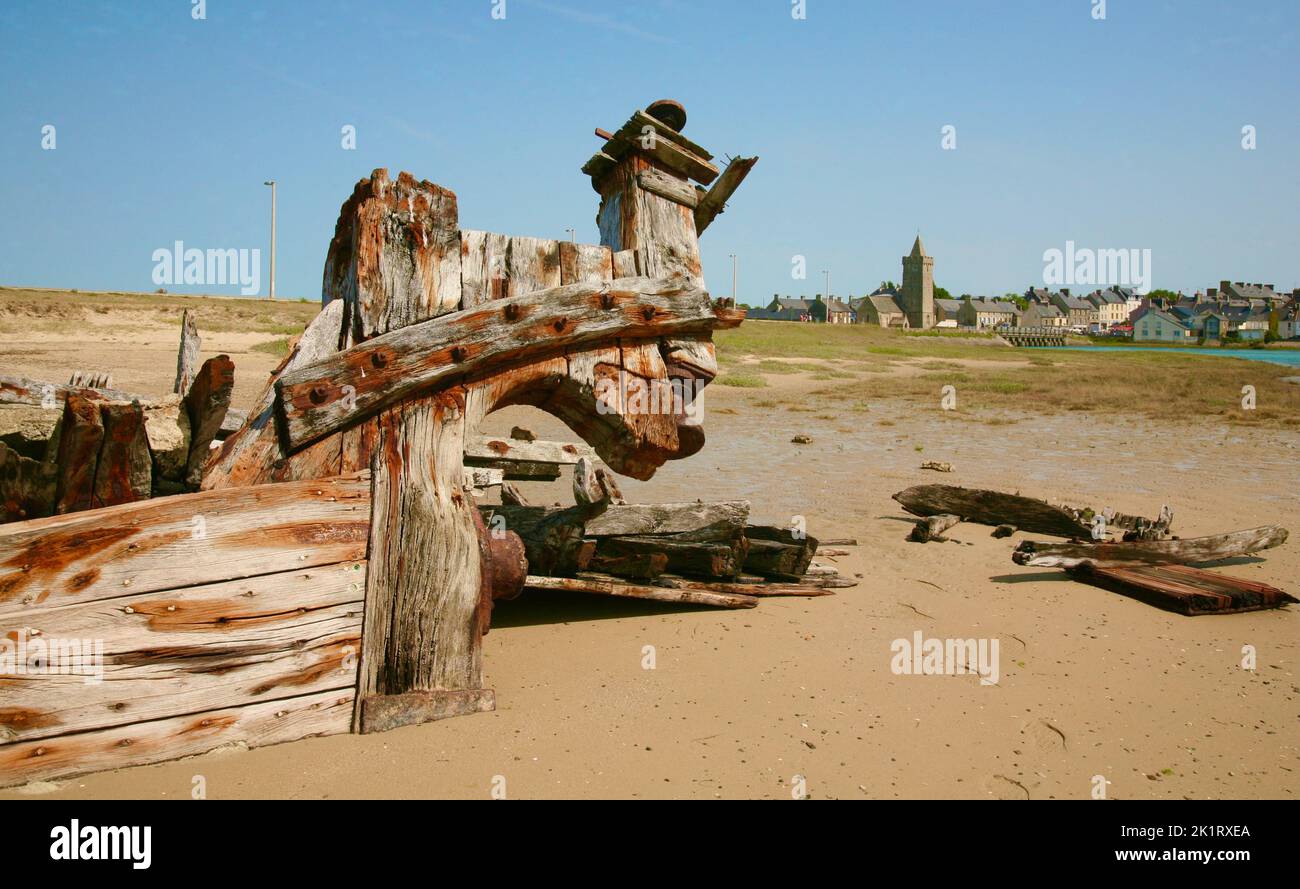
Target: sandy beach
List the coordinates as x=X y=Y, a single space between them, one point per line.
x=744 y=704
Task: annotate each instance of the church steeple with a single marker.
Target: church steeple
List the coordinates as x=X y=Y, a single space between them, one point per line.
x=918 y=249
x=917 y=296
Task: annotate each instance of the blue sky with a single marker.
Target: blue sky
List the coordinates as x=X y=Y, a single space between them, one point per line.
x=1120 y=133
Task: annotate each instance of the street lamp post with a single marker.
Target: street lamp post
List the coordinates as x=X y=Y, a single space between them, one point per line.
x=573 y=235
x=733 y=279
x=827 y=273
x=271 y=182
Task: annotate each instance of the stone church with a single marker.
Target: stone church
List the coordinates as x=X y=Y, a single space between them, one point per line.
x=910 y=306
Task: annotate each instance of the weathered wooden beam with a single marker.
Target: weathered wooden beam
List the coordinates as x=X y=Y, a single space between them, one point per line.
x=1038 y=554
x=993 y=508
x=27 y=487
x=39 y=393
x=187 y=356
x=323 y=397
x=805 y=588
x=185 y=540
x=380 y=713
x=1187 y=590
x=675 y=190
x=79 y=436
x=704 y=521
x=489 y=447
x=598 y=587
x=715 y=199
x=124 y=468
x=206 y=402
x=702 y=559
x=594 y=484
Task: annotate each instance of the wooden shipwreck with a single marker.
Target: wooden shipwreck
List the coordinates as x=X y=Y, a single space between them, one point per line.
x=329 y=570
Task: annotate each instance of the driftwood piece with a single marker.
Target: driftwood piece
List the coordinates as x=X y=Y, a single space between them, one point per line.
x=124 y=468
x=27 y=487
x=1152 y=552
x=206 y=403
x=715 y=199
x=321 y=398
x=187 y=356
x=599 y=587
x=932 y=528
x=805 y=588
x=79 y=436
x=993 y=508
x=1187 y=590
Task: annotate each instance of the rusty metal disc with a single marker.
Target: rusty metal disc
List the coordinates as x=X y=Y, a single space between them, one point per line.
x=668 y=112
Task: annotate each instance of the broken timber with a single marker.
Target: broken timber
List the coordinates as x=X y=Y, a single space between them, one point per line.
x=1150 y=552
x=993 y=508
x=1187 y=590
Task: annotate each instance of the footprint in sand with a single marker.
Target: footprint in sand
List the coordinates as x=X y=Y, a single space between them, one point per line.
x=1001 y=787
x=1045 y=736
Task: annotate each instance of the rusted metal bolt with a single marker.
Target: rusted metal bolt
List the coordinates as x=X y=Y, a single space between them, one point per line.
x=560 y=324
x=512 y=313
x=607 y=300
x=378 y=359
x=458 y=353
x=648 y=313
x=318 y=395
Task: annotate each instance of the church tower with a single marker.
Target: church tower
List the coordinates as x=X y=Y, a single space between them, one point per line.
x=917 y=297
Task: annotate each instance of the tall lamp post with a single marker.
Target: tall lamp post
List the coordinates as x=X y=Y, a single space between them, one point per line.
x=573 y=235
x=827 y=273
x=271 y=182
x=733 y=279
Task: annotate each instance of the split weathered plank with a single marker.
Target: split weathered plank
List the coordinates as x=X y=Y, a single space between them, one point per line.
x=124 y=468
x=181 y=541
x=594 y=484
x=91 y=379
x=38 y=393
x=79 y=436
x=323 y=397
x=489 y=447
x=598 y=587
x=1182 y=588
x=395 y=256
x=517 y=470
x=165 y=654
x=624 y=263
x=1188 y=550
x=478 y=477
x=255 y=725
x=206 y=402
x=27 y=487
x=187 y=356
x=511 y=495
x=993 y=508
x=932 y=527
x=640 y=120
x=634 y=139
x=715 y=199
x=250 y=455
